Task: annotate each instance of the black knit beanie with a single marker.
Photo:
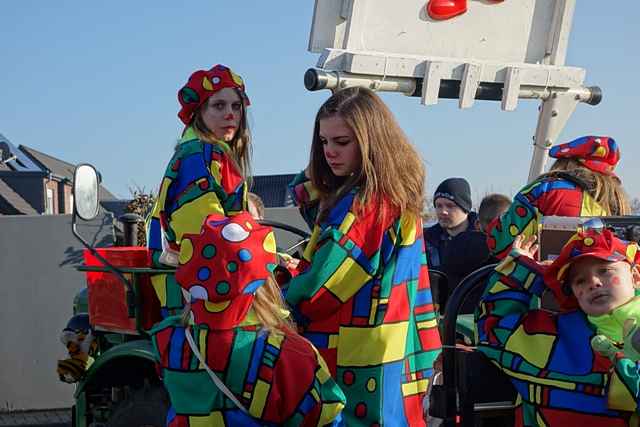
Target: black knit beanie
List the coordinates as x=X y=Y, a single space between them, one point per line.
x=457 y=190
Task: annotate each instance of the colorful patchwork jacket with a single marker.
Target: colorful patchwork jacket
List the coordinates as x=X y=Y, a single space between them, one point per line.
x=363 y=299
x=562 y=196
x=560 y=380
x=277 y=376
x=200 y=179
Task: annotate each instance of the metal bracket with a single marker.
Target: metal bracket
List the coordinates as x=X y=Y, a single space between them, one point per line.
x=555 y=111
x=511 y=91
x=469 y=85
x=431 y=83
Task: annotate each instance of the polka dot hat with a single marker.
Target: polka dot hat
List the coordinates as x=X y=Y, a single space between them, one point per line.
x=202 y=84
x=593 y=242
x=222 y=267
x=598 y=153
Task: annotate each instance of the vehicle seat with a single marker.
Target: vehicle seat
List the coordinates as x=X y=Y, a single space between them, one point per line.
x=473 y=388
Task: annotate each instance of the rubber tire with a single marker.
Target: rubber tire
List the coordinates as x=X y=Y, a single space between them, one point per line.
x=146 y=407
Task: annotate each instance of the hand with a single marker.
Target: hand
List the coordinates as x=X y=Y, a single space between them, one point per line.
x=169 y=257
x=292 y=264
x=525 y=246
x=604 y=346
x=287 y=261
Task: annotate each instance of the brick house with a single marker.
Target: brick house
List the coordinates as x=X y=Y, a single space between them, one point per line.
x=33 y=182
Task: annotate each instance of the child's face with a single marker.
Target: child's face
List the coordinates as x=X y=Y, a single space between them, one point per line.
x=601 y=286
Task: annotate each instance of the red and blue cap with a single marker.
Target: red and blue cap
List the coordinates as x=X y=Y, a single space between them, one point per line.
x=599 y=243
x=597 y=153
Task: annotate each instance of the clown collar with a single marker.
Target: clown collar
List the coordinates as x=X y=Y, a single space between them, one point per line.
x=612 y=324
x=190 y=134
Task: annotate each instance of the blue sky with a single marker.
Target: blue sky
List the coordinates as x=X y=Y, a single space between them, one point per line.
x=96 y=82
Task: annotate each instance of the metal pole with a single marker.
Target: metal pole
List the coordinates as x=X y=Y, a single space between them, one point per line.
x=555 y=111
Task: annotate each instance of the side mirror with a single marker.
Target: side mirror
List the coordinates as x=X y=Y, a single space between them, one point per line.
x=85 y=192
x=85 y=205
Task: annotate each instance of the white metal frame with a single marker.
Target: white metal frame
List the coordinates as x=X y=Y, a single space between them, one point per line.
x=339 y=33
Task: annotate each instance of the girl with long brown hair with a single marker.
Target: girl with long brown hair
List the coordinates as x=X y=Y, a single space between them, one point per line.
x=207 y=173
x=362 y=294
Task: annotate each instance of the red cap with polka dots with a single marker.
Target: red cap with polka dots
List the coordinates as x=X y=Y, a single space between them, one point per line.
x=222 y=267
x=598 y=153
x=202 y=84
x=592 y=242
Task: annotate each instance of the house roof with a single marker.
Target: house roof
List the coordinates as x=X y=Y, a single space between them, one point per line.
x=15 y=200
x=51 y=164
x=60 y=168
x=273 y=189
x=15 y=159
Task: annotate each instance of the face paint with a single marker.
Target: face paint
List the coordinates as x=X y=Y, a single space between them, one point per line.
x=340 y=147
x=222 y=114
x=600 y=286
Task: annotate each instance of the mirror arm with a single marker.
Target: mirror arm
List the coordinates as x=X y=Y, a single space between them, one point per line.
x=131 y=306
x=297 y=245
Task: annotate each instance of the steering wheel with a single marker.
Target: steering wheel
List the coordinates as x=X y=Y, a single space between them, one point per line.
x=304 y=235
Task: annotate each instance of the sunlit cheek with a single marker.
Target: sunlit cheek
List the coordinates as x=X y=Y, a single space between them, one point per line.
x=615 y=281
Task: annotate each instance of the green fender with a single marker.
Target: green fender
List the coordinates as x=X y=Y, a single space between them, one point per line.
x=138 y=349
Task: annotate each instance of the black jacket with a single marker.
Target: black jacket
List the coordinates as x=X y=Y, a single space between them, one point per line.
x=456 y=256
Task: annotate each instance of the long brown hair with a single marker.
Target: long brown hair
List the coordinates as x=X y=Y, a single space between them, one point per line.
x=391 y=168
x=241 y=147
x=606 y=190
